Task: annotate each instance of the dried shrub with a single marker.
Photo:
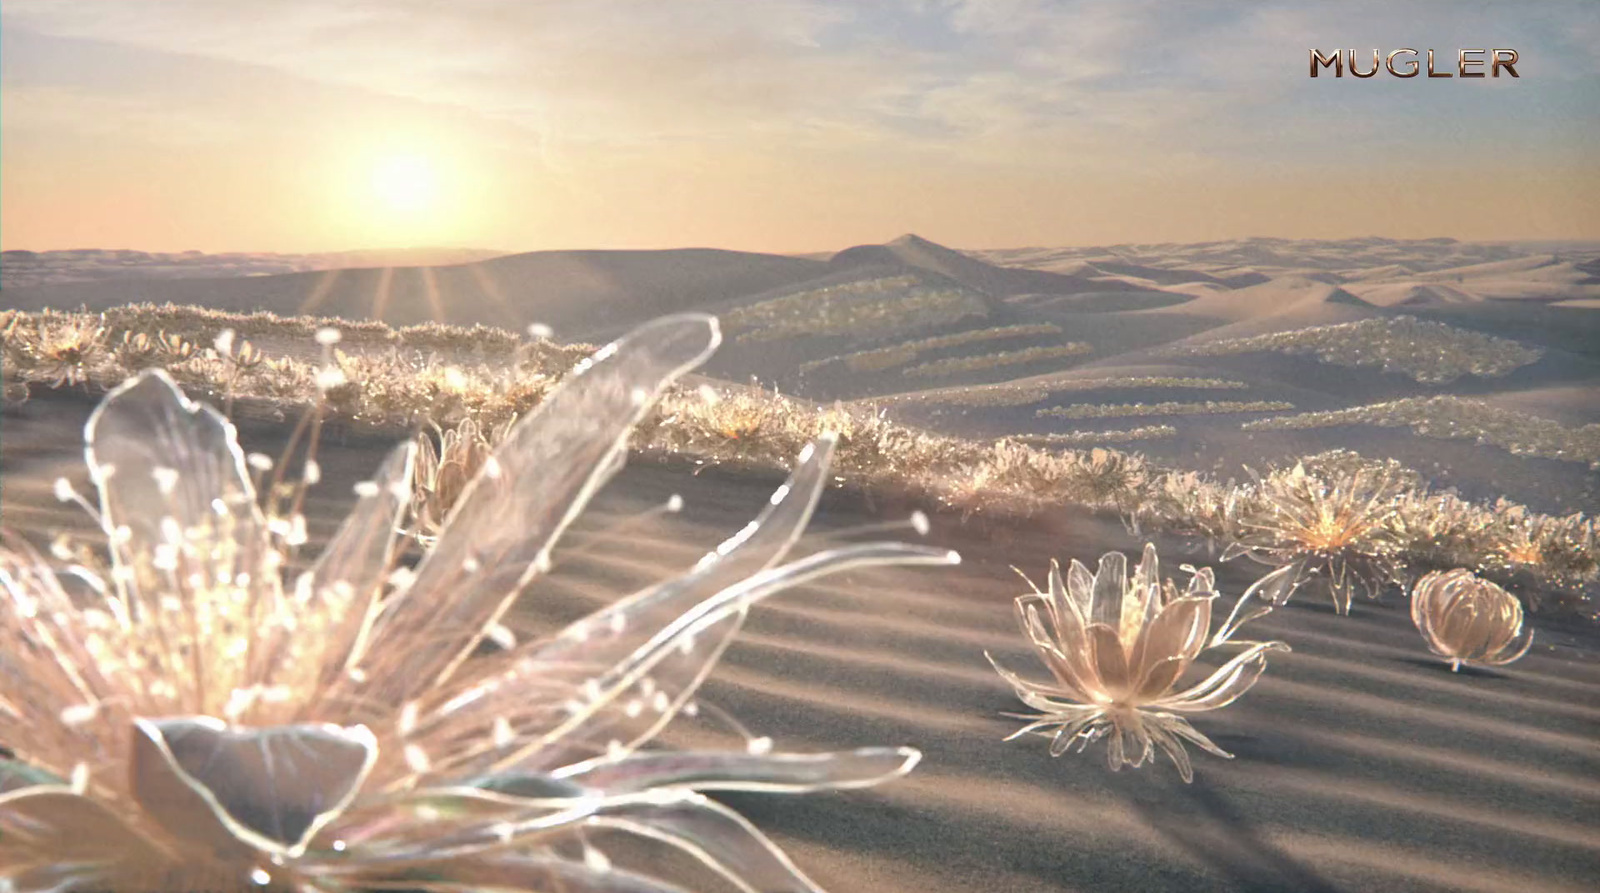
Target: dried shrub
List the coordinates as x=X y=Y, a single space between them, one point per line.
x=1428 y=352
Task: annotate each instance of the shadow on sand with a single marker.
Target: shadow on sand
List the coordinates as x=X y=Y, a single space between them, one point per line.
x=1219 y=834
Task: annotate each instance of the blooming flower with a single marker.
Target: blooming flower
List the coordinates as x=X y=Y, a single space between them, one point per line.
x=1468 y=620
x=1117 y=646
x=194 y=721
x=1335 y=524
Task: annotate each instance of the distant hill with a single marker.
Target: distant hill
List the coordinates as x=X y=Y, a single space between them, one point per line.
x=915 y=252
x=576 y=292
x=21 y=269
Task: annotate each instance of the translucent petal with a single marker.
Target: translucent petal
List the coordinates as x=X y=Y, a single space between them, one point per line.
x=720 y=838
x=1269 y=592
x=159 y=460
x=601 y=640
x=499 y=534
x=1512 y=651
x=1158 y=678
x=1080 y=588
x=1035 y=695
x=1069 y=669
x=627 y=673
x=1231 y=680
x=361 y=553
x=1071 y=729
x=1110 y=584
x=270 y=788
x=1180 y=727
x=1173 y=748
x=1068 y=656
x=1109 y=658
x=1178 y=631
x=786 y=773
x=358 y=559
x=50 y=835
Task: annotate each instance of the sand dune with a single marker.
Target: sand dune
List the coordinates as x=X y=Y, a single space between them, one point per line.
x=999 y=281
x=1362 y=762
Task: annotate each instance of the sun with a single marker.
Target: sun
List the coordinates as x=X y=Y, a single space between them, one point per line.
x=406 y=183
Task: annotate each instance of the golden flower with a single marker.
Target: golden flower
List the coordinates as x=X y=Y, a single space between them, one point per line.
x=1334 y=523
x=1468 y=620
x=1117 y=646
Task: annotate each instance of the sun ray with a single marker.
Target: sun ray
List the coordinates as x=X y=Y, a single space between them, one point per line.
x=430 y=290
x=319 y=292
x=493 y=291
x=380 y=297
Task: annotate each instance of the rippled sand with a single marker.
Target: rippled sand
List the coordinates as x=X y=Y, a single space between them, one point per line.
x=1363 y=764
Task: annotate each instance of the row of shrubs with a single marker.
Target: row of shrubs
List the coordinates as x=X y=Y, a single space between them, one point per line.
x=1385 y=517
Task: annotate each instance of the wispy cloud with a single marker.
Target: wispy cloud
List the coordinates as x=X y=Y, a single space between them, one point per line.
x=625 y=93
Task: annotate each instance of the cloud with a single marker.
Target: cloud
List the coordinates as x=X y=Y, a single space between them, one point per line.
x=982 y=77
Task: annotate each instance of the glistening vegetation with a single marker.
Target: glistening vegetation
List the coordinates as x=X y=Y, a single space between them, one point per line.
x=1429 y=352
x=1090 y=438
x=197 y=719
x=1131 y=410
x=1458 y=418
x=884 y=358
x=1014 y=394
x=998 y=359
x=1541 y=555
x=867 y=310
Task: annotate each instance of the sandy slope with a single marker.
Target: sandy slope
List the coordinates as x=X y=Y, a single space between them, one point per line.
x=1362 y=763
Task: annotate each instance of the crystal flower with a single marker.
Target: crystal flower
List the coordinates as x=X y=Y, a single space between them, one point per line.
x=193 y=721
x=1468 y=620
x=1334 y=524
x=1117 y=646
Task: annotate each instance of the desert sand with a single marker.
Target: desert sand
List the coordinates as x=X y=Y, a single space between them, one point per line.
x=1362 y=762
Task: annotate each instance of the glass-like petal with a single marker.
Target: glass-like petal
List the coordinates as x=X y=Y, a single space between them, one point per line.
x=1158 y=678
x=1178 y=631
x=270 y=788
x=1070 y=669
x=52 y=838
x=1270 y=592
x=1174 y=750
x=787 y=773
x=1231 y=680
x=626 y=674
x=160 y=460
x=720 y=838
x=588 y=648
x=1072 y=730
x=1110 y=660
x=361 y=553
x=1080 y=588
x=1036 y=695
x=499 y=535
x=1110 y=584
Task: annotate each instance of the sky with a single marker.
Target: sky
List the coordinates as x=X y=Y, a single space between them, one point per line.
x=781 y=125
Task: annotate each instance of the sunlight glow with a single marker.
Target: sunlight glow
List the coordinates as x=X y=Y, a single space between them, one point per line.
x=406 y=183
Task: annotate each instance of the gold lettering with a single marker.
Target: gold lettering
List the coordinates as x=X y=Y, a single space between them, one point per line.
x=1497 y=62
x=1358 y=72
x=1408 y=73
x=1436 y=74
x=1462 y=62
x=1336 y=62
